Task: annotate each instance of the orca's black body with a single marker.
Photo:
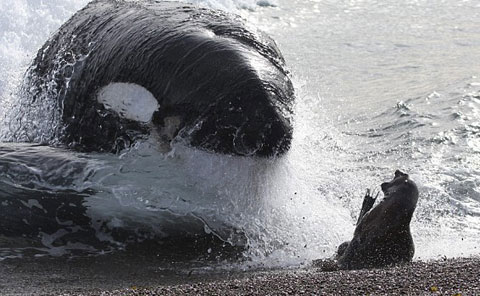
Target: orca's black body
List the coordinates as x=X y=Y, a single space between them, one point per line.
x=226 y=84
x=32 y=199
x=45 y=203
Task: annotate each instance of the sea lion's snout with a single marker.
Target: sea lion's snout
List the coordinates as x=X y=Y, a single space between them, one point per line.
x=403 y=191
x=399 y=174
x=400 y=182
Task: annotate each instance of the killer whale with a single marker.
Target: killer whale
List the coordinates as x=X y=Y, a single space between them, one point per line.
x=210 y=79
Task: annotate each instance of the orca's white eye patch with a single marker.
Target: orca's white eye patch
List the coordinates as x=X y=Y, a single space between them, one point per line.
x=129 y=100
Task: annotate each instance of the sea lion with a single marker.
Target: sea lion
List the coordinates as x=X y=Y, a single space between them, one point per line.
x=382 y=236
x=120 y=70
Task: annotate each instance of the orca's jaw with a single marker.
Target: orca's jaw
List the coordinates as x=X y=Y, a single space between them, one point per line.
x=251 y=129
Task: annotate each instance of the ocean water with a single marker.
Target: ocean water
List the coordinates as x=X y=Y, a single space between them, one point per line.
x=380 y=85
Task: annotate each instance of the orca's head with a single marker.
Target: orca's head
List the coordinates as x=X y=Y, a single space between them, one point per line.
x=215 y=94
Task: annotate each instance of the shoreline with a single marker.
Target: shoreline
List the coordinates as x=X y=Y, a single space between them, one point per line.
x=457 y=277
x=141 y=276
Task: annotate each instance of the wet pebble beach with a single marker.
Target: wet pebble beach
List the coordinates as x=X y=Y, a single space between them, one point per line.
x=440 y=277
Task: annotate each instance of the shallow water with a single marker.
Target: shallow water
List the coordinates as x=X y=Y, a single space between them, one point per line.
x=391 y=85
x=381 y=85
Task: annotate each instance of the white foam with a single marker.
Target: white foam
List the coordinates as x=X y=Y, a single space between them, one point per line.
x=231 y=5
x=129 y=100
x=24 y=26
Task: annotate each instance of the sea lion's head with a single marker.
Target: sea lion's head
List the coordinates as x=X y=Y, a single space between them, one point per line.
x=402 y=192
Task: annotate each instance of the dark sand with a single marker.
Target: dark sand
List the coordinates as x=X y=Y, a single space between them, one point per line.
x=136 y=276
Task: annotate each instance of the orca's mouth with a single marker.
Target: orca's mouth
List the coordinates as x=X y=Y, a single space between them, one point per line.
x=262 y=139
x=261 y=132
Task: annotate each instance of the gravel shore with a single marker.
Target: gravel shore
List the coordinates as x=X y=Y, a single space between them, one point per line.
x=444 y=277
x=441 y=277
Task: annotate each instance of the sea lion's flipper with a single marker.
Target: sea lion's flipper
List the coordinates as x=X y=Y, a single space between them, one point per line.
x=368 y=202
x=341 y=249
